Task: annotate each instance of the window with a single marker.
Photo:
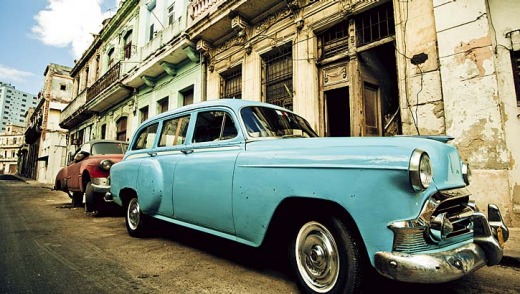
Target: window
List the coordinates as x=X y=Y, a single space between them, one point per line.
x=277 y=72
x=231 y=83
x=110 y=58
x=108 y=148
x=214 y=126
x=174 y=131
x=145 y=138
x=171 y=13
x=128 y=44
x=143 y=113
x=515 y=60
x=24 y=100
x=187 y=98
x=25 y=95
x=375 y=24
x=104 y=131
x=63 y=87
x=121 y=129
x=162 y=105
x=334 y=40
x=151 y=32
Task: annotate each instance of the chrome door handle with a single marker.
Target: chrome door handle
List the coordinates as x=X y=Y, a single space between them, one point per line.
x=187 y=151
x=152 y=154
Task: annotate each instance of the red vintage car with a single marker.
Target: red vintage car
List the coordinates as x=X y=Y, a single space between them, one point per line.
x=87 y=173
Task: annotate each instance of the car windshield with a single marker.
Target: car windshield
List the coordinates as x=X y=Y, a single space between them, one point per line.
x=109 y=148
x=265 y=122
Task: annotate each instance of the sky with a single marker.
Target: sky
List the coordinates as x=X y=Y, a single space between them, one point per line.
x=35 y=33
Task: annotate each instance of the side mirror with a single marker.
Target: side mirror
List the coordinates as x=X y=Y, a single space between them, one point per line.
x=80 y=156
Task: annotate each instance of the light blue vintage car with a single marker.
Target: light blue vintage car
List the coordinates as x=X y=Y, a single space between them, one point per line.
x=253 y=172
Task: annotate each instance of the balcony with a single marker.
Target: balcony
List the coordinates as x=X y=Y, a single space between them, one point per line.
x=166 y=49
x=107 y=91
x=219 y=15
x=76 y=112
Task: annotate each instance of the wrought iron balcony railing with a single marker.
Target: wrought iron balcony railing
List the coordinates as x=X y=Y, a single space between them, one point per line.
x=108 y=79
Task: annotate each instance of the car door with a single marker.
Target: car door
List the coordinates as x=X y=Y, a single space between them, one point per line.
x=202 y=188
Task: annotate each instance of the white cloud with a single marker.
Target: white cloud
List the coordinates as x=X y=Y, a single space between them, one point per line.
x=13 y=75
x=66 y=23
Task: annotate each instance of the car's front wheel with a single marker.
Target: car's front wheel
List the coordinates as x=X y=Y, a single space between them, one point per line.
x=326 y=257
x=92 y=200
x=135 y=220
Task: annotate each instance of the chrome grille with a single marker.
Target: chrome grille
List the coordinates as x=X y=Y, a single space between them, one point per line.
x=414 y=236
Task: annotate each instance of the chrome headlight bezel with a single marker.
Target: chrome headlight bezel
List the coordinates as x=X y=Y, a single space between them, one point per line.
x=466 y=173
x=421 y=171
x=106 y=164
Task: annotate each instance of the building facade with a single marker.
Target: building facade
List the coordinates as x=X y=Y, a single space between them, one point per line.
x=351 y=67
x=10 y=141
x=14 y=105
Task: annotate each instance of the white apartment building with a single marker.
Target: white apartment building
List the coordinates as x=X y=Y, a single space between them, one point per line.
x=14 y=105
x=10 y=141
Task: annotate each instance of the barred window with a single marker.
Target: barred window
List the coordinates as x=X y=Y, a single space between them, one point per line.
x=375 y=24
x=277 y=74
x=334 y=40
x=515 y=60
x=231 y=83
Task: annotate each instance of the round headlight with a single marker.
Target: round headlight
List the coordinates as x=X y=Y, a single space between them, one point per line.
x=105 y=164
x=466 y=173
x=421 y=174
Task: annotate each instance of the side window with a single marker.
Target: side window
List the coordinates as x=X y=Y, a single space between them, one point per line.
x=145 y=138
x=174 y=131
x=214 y=126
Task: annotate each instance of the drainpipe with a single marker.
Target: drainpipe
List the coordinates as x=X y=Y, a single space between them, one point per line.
x=203 y=79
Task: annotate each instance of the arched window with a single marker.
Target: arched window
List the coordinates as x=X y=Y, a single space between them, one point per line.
x=121 y=128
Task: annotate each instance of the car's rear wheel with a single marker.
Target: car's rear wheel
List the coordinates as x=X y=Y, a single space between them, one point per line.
x=135 y=220
x=325 y=257
x=77 y=199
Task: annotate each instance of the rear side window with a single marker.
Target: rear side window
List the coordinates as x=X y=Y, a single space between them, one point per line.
x=174 y=131
x=145 y=138
x=214 y=126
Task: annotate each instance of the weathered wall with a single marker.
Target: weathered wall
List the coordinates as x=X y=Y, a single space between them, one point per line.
x=506 y=25
x=420 y=90
x=471 y=96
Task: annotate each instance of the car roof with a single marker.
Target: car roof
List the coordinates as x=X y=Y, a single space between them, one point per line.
x=235 y=104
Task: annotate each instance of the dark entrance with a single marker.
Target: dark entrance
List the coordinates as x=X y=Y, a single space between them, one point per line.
x=338 y=112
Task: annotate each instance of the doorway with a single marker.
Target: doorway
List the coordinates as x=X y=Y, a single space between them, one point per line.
x=337 y=109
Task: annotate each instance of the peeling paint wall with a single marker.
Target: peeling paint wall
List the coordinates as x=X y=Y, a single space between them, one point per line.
x=473 y=95
x=420 y=91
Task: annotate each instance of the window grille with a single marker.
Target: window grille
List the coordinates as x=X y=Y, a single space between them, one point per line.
x=515 y=60
x=231 y=86
x=375 y=24
x=334 y=40
x=278 y=74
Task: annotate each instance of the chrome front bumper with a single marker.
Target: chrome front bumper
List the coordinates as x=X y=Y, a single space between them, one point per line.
x=100 y=185
x=455 y=262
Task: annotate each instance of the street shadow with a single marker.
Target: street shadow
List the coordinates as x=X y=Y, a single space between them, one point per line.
x=262 y=259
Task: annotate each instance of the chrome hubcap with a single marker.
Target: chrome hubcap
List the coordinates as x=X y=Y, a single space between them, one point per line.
x=133 y=214
x=317 y=257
